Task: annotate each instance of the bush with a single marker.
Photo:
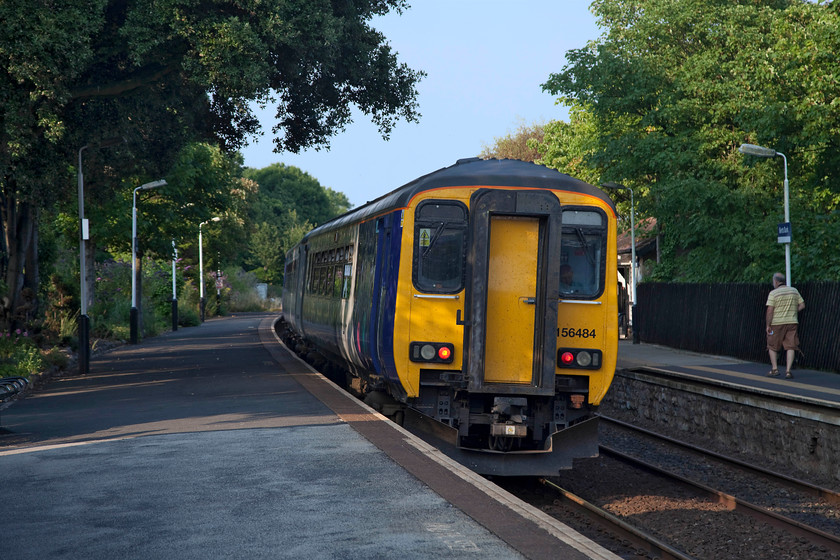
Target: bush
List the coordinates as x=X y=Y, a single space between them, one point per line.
x=241 y=288
x=188 y=305
x=19 y=357
x=56 y=358
x=188 y=315
x=110 y=319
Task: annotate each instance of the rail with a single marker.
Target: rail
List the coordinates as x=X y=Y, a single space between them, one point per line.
x=764 y=515
x=639 y=538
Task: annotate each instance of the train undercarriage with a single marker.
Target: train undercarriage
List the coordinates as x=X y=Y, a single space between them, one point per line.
x=490 y=433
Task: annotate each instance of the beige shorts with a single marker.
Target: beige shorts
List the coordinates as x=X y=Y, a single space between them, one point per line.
x=784 y=336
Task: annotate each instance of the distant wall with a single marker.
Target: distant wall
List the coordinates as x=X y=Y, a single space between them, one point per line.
x=728 y=320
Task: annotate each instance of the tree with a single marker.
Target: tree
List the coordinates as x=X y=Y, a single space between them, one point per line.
x=287 y=203
x=269 y=243
x=570 y=146
x=164 y=74
x=674 y=88
x=283 y=188
x=519 y=145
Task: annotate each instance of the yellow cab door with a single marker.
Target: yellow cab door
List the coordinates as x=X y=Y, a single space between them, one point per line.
x=511 y=299
x=512 y=291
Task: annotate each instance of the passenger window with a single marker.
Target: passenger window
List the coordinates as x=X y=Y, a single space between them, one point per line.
x=440 y=236
x=582 y=254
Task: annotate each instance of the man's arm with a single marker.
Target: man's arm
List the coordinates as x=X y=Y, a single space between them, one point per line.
x=768 y=318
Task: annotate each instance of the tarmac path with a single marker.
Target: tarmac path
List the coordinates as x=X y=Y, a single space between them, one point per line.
x=222 y=379
x=194 y=445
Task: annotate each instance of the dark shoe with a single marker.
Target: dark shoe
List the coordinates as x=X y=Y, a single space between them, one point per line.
x=773 y=373
x=788 y=375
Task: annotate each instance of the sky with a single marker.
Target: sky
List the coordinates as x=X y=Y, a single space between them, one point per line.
x=484 y=60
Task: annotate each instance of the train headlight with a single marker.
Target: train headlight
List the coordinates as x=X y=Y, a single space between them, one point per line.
x=584 y=358
x=431 y=352
x=579 y=358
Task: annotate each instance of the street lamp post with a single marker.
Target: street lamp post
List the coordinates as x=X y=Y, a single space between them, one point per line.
x=134 y=315
x=218 y=287
x=761 y=151
x=202 y=301
x=84 y=322
x=174 y=288
x=632 y=257
x=84 y=235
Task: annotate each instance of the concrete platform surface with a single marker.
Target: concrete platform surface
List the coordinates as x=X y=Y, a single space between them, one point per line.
x=807 y=384
x=213 y=442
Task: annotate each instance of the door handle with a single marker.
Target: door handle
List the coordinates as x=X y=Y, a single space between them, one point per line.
x=458 y=320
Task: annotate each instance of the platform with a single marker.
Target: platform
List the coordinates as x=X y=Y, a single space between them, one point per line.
x=213 y=442
x=807 y=384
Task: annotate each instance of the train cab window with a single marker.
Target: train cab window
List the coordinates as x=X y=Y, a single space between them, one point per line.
x=440 y=237
x=583 y=253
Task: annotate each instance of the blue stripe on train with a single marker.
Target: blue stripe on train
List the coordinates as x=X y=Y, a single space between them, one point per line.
x=384 y=296
x=386 y=352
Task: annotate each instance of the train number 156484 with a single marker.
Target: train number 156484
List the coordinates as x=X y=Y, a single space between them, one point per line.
x=567 y=332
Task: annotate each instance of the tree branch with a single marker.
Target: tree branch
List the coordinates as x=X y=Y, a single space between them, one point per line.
x=145 y=77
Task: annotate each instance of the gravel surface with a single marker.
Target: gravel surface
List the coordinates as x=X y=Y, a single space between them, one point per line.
x=677 y=515
x=756 y=489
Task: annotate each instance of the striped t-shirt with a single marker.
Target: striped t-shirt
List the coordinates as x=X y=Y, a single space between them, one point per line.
x=785 y=302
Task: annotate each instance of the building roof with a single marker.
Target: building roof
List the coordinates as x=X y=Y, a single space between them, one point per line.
x=645 y=238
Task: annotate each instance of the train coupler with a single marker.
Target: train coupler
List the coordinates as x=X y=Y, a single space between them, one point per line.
x=509 y=430
x=509 y=416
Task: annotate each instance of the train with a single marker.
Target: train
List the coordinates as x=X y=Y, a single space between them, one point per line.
x=476 y=305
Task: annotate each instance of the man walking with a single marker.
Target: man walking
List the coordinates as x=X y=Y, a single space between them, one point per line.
x=782 y=319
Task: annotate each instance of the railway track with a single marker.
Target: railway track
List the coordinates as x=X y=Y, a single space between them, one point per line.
x=684 y=501
x=795 y=506
x=796 y=484
x=633 y=538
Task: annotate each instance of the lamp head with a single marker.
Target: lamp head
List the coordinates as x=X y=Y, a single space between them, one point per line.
x=760 y=151
x=152 y=185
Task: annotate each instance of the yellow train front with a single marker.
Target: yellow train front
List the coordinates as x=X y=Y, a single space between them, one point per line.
x=481 y=299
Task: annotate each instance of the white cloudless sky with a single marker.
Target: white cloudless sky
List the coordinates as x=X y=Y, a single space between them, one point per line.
x=484 y=60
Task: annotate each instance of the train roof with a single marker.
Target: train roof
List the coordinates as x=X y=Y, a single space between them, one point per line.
x=464 y=173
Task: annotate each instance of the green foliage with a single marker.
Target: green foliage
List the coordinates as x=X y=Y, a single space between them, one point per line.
x=285 y=206
x=188 y=300
x=201 y=183
x=242 y=293
x=568 y=147
x=283 y=189
x=109 y=314
x=672 y=90
x=520 y=145
x=267 y=254
x=19 y=357
x=60 y=297
x=158 y=77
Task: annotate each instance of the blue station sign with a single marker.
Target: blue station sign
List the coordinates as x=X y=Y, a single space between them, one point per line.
x=784 y=233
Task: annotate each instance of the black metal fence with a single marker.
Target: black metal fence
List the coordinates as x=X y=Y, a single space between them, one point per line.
x=728 y=320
